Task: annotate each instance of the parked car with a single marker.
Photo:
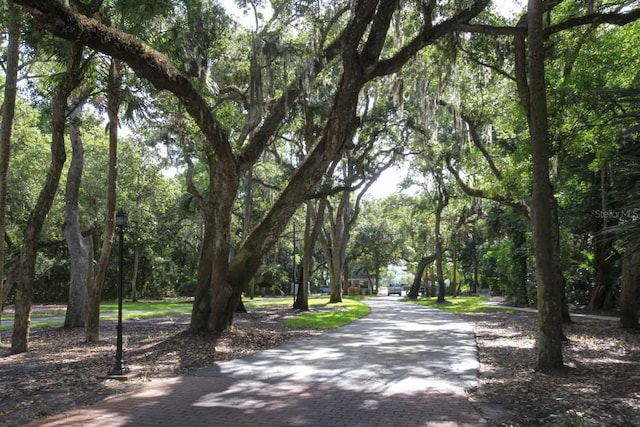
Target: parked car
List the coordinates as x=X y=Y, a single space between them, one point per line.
x=323 y=290
x=394 y=289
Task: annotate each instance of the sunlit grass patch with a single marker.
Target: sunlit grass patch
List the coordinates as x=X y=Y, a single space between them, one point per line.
x=335 y=315
x=258 y=302
x=462 y=305
x=155 y=306
x=130 y=310
x=322 y=315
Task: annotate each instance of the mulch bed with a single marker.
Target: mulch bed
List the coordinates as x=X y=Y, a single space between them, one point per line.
x=600 y=387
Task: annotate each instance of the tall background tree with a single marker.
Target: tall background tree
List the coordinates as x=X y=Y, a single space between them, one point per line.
x=14 y=18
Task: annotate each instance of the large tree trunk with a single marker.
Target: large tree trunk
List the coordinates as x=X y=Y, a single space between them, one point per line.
x=96 y=281
x=335 y=278
x=417 y=279
x=14 y=18
x=550 y=336
x=302 y=294
x=629 y=290
x=314 y=224
x=216 y=298
x=76 y=314
x=26 y=268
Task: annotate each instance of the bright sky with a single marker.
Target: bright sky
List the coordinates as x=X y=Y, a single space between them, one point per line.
x=509 y=7
x=386 y=184
x=247 y=19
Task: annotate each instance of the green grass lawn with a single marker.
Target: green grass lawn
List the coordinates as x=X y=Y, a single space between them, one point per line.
x=347 y=311
x=171 y=305
x=109 y=310
x=462 y=305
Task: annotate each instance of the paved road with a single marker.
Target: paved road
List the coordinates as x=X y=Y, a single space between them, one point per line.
x=403 y=365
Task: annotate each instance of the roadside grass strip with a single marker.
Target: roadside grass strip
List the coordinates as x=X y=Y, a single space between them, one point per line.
x=339 y=314
x=462 y=305
x=321 y=316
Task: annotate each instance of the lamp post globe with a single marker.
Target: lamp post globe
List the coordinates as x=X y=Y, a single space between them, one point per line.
x=122 y=218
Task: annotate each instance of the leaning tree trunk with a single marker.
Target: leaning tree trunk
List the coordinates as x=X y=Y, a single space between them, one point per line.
x=76 y=314
x=339 y=130
x=12 y=56
x=629 y=289
x=96 y=281
x=26 y=269
x=550 y=335
x=417 y=279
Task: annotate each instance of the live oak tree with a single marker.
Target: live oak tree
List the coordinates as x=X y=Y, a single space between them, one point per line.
x=76 y=312
x=22 y=276
x=14 y=18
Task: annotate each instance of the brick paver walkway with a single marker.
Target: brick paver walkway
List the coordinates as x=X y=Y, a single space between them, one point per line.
x=402 y=365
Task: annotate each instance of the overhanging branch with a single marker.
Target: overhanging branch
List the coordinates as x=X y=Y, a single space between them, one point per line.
x=145 y=61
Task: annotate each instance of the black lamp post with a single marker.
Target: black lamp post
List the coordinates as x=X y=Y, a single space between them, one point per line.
x=118 y=367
